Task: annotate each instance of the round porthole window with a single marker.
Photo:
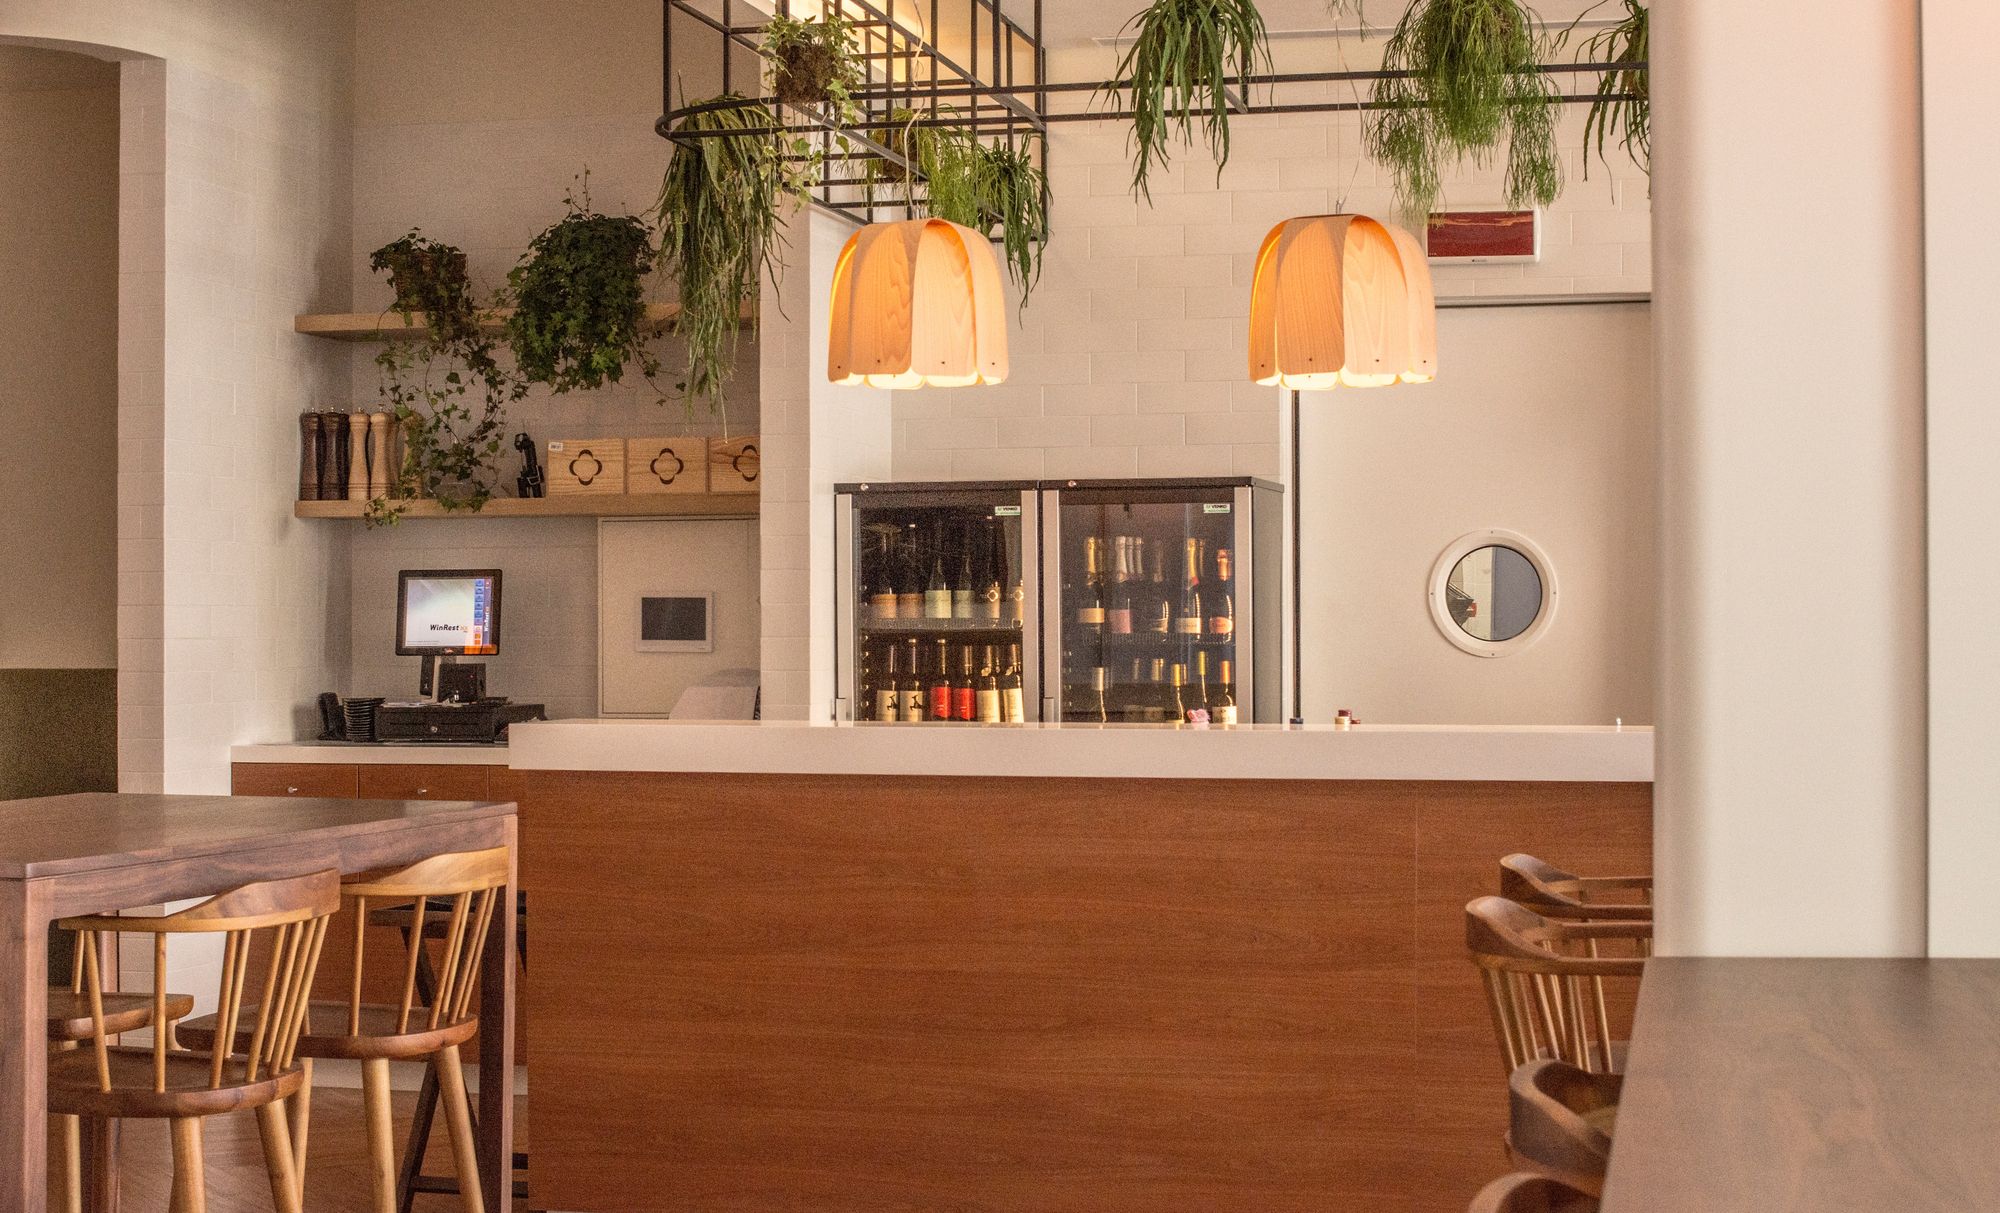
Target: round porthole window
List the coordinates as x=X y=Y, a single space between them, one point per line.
x=1493 y=593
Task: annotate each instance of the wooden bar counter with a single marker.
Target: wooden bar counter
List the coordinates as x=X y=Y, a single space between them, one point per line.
x=1028 y=989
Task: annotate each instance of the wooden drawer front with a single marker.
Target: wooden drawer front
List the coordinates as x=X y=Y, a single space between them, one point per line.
x=336 y=779
x=399 y=781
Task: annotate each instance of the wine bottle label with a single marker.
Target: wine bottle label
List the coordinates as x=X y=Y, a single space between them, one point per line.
x=1221 y=625
x=883 y=605
x=964 y=703
x=1225 y=714
x=961 y=604
x=1120 y=620
x=912 y=706
x=886 y=705
x=940 y=705
x=989 y=603
x=1013 y=710
x=1188 y=625
x=910 y=606
x=937 y=604
x=1090 y=616
x=987 y=705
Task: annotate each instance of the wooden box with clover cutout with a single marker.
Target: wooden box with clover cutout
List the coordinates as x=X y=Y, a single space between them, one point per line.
x=666 y=465
x=578 y=466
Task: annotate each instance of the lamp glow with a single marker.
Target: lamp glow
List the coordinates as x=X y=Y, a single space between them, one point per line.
x=917 y=303
x=1341 y=301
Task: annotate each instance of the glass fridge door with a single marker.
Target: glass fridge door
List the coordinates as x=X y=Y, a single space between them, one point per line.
x=938 y=623
x=1145 y=609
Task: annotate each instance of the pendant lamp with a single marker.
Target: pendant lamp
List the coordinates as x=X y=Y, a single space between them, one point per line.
x=917 y=303
x=1341 y=301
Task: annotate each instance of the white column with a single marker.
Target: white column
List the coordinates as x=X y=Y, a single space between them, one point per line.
x=1962 y=269
x=1789 y=355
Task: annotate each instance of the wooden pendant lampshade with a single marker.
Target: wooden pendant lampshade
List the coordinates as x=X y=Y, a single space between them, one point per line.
x=917 y=304
x=1341 y=301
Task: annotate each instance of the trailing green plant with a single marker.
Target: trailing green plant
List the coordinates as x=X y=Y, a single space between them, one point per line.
x=1014 y=193
x=953 y=163
x=813 y=63
x=429 y=279
x=1623 y=104
x=579 y=297
x=1465 y=74
x=1179 y=68
x=448 y=392
x=718 y=221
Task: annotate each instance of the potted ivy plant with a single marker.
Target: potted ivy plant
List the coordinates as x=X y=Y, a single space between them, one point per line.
x=579 y=299
x=813 y=63
x=447 y=390
x=1464 y=75
x=1185 y=57
x=717 y=217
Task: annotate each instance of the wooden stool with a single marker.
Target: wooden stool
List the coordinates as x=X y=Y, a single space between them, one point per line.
x=1545 y=982
x=1531 y=1194
x=1560 y=1121
x=410 y=1177
x=376 y=1034
x=164 y=1082
x=1554 y=893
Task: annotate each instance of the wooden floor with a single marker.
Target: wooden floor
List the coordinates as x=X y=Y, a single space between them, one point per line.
x=336 y=1166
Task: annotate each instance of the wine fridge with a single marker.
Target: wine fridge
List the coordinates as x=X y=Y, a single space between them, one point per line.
x=1131 y=601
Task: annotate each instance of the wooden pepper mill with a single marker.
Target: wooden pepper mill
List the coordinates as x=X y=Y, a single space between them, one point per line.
x=360 y=467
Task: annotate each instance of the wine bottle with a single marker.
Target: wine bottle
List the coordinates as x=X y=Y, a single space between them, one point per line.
x=986 y=697
x=939 y=707
x=910 y=585
x=1198 y=696
x=1177 y=707
x=961 y=589
x=937 y=594
x=911 y=696
x=1090 y=601
x=990 y=592
x=1090 y=707
x=1189 y=621
x=1220 y=601
x=888 y=692
x=882 y=587
x=1013 y=707
x=1159 y=604
x=1222 y=705
x=1118 y=619
x=1153 y=706
x=964 y=694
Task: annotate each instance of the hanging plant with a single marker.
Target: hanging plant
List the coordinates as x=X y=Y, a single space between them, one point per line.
x=1180 y=67
x=1467 y=76
x=953 y=163
x=430 y=282
x=1015 y=193
x=718 y=221
x=579 y=299
x=448 y=392
x=813 y=64
x=1623 y=104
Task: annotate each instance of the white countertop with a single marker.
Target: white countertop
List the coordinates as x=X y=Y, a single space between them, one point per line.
x=1510 y=753
x=370 y=754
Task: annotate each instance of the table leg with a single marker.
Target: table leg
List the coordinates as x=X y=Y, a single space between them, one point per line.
x=24 y=1045
x=496 y=1052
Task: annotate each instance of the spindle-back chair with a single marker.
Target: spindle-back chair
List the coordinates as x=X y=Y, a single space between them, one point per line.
x=1545 y=981
x=471 y=884
x=1554 y=893
x=1560 y=1121
x=283 y=922
x=1531 y=1194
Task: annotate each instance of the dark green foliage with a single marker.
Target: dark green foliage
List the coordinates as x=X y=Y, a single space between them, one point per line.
x=813 y=63
x=579 y=300
x=1473 y=80
x=1180 y=65
x=1623 y=104
x=718 y=222
x=1015 y=193
x=429 y=279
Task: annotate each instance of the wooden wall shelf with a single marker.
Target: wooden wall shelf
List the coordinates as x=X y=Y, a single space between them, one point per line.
x=578 y=505
x=388 y=325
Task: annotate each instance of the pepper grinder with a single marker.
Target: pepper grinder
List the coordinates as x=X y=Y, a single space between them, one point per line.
x=357 y=457
x=378 y=455
x=309 y=458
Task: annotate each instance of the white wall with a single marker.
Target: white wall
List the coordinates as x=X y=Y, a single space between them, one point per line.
x=59 y=343
x=1961 y=95
x=1541 y=423
x=1789 y=313
x=233 y=206
x=472 y=119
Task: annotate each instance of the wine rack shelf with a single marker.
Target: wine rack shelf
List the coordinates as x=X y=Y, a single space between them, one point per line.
x=580 y=505
x=938 y=627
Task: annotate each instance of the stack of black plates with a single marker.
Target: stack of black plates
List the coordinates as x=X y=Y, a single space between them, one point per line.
x=360 y=714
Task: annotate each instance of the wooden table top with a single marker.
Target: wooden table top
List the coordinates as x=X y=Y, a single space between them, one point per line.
x=1822 y=1085
x=93 y=831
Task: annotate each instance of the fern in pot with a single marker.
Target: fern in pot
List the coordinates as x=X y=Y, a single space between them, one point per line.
x=1467 y=76
x=580 y=302
x=1180 y=67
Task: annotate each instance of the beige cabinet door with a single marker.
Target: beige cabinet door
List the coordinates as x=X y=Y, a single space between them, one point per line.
x=656 y=579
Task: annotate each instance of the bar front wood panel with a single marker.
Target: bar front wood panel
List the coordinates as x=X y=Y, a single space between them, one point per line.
x=761 y=992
